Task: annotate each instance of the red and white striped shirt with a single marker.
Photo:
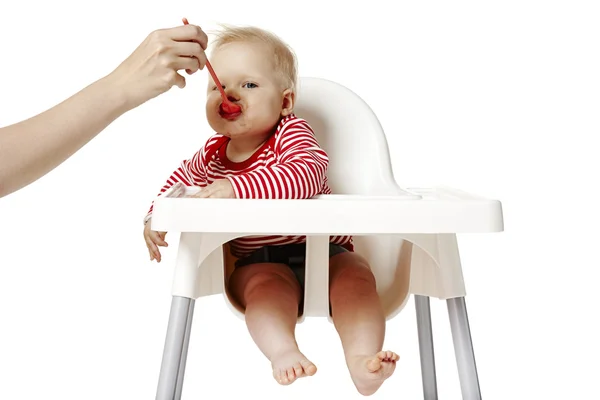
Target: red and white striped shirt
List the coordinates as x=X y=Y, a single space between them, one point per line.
x=289 y=165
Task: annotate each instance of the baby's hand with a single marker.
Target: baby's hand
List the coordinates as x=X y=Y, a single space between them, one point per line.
x=153 y=240
x=221 y=189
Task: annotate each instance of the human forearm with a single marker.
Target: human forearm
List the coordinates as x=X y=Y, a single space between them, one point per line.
x=32 y=148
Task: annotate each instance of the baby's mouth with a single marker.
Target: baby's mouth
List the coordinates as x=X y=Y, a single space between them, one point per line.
x=229 y=115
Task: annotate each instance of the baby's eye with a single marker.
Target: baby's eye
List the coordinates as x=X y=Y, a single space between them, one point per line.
x=250 y=85
x=215 y=87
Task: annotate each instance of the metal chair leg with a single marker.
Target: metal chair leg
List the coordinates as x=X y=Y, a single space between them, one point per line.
x=170 y=381
x=463 y=349
x=426 y=347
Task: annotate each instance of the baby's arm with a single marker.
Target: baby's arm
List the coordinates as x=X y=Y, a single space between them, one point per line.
x=191 y=172
x=298 y=174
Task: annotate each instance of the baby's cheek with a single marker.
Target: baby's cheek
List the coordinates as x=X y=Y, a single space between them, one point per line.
x=214 y=121
x=211 y=101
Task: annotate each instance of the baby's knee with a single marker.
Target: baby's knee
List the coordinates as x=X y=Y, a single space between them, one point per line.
x=352 y=274
x=277 y=282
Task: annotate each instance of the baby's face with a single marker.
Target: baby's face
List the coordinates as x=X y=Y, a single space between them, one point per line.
x=248 y=76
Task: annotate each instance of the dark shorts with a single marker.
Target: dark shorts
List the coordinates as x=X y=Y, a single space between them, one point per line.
x=292 y=255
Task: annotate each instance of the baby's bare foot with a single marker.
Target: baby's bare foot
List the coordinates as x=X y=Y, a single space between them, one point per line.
x=291 y=365
x=369 y=372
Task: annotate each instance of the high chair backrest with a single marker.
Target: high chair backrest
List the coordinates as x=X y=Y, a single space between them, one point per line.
x=350 y=133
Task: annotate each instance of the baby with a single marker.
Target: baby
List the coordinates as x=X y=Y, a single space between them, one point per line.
x=265 y=151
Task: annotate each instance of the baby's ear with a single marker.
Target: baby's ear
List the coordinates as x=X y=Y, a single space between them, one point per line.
x=287 y=106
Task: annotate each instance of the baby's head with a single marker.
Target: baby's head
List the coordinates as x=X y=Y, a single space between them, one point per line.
x=258 y=72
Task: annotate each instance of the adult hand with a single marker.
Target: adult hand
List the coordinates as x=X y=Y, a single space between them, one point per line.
x=62 y=130
x=153 y=67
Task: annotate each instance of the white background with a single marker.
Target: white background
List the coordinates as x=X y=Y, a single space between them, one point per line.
x=500 y=99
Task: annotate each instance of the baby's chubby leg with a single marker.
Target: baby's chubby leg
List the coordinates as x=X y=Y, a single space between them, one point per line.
x=358 y=317
x=270 y=295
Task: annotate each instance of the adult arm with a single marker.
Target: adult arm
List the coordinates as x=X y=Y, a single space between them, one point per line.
x=31 y=148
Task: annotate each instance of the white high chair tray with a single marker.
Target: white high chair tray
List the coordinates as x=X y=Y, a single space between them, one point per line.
x=415 y=210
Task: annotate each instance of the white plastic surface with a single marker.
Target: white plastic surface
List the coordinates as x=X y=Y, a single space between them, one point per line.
x=408 y=236
x=443 y=210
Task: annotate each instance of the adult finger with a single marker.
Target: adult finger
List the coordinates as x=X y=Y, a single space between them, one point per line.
x=190 y=64
x=190 y=49
x=176 y=79
x=189 y=33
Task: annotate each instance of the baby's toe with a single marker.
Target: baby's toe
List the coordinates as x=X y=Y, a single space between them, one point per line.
x=388 y=356
x=291 y=375
x=308 y=367
x=298 y=370
x=374 y=364
x=280 y=376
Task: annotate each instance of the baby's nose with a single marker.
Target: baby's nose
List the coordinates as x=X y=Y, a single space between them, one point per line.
x=231 y=98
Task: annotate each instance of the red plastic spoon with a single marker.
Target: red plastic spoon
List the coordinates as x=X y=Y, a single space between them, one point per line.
x=227 y=106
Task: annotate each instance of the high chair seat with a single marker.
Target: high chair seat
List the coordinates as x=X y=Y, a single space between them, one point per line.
x=407 y=235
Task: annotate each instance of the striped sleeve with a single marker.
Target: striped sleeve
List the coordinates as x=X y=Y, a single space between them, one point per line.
x=298 y=173
x=191 y=172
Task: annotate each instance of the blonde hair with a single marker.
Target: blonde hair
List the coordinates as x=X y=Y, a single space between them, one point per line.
x=284 y=59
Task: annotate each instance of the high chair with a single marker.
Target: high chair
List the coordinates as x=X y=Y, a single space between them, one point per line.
x=407 y=235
